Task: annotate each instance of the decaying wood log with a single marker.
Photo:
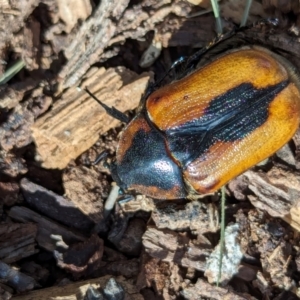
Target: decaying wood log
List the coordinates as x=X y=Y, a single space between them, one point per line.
x=78 y=290
x=17 y=241
x=76 y=121
x=47 y=229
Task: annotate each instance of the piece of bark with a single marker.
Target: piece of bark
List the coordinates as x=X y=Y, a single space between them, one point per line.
x=47 y=229
x=113 y=24
x=12 y=94
x=81 y=259
x=54 y=206
x=193 y=215
x=165 y=278
x=206 y=290
x=38 y=102
x=272 y=241
x=12 y=23
x=15 y=279
x=277 y=265
x=17 y=241
x=73 y=290
x=15 y=132
x=76 y=121
x=87 y=190
x=11 y=164
x=278 y=193
x=170 y=246
x=93 y=37
x=138 y=203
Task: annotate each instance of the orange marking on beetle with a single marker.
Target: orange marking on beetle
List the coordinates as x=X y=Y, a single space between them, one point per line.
x=204 y=85
x=226 y=160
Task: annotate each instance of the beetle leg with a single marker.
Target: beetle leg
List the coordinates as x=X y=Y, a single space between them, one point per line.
x=103 y=155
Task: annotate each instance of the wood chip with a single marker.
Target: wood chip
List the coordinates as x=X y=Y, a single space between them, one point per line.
x=170 y=246
x=193 y=215
x=278 y=194
x=54 y=206
x=46 y=228
x=17 y=241
x=71 y=11
x=77 y=120
x=87 y=190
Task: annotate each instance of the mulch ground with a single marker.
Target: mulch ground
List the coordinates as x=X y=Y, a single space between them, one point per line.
x=56 y=239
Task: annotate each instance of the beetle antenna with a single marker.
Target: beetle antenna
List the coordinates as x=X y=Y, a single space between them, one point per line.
x=112 y=111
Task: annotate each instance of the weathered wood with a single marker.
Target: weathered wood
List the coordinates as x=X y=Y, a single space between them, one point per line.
x=111 y=25
x=17 y=241
x=47 y=229
x=170 y=246
x=54 y=206
x=77 y=290
x=196 y=216
x=76 y=121
x=277 y=193
x=84 y=187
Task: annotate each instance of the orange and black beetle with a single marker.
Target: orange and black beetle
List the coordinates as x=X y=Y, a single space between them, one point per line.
x=194 y=135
